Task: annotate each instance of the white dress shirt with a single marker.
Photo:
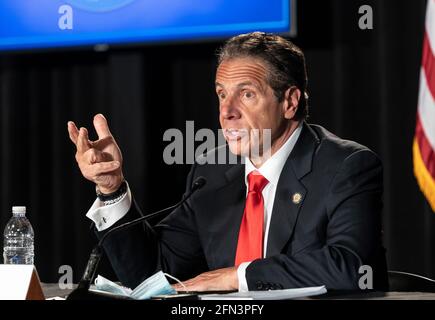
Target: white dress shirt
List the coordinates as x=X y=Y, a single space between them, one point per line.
x=106 y=216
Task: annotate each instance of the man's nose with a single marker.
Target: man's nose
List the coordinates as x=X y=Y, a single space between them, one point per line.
x=229 y=110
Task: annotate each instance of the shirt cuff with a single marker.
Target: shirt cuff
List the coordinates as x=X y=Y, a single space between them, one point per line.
x=106 y=216
x=241 y=275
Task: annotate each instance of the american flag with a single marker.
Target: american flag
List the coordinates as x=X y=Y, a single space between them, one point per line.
x=424 y=139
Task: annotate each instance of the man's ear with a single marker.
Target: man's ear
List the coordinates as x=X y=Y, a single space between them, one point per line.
x=291 y=102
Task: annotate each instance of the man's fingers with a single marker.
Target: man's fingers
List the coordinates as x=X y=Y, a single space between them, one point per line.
x=73 y=132
x=92 y=156
x=188 y=285
x=103 y=143
x=83 y=143
x=101 y=126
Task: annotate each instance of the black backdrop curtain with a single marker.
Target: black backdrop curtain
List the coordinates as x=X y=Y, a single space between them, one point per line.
x=363 y=86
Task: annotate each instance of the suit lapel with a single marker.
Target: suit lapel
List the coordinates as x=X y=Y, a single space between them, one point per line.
x=291 y=192
x=230 y=202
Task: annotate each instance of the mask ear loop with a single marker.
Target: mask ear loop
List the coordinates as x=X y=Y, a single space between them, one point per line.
x=178 y=281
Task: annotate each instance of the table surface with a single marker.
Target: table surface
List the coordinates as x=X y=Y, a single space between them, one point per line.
x=52 y=290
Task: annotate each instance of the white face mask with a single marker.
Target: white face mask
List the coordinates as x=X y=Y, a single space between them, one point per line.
x=155 y=285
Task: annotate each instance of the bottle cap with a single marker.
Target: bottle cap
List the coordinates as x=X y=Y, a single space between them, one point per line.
x=19 y=209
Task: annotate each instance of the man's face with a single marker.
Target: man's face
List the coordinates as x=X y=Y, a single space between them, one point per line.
x=247 y=102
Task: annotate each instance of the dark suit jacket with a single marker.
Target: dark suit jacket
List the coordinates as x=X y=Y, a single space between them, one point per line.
x=322 y=240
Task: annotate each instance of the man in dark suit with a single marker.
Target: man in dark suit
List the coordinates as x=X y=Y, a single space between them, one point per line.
x=303 y=211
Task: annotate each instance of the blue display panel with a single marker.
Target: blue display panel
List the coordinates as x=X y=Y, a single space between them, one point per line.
x=55 y=23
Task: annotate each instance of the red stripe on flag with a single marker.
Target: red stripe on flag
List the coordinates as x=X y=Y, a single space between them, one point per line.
x=427 y=153
x=428 y=63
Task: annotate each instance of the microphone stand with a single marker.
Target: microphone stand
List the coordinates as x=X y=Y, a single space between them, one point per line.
x=82 y=290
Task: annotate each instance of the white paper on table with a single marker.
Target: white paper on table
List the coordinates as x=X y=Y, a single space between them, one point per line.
x=267 y=295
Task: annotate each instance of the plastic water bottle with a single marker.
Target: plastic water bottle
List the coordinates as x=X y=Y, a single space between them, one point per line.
x=18 y=239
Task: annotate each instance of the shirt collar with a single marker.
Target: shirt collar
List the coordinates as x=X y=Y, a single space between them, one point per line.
x=272 y=168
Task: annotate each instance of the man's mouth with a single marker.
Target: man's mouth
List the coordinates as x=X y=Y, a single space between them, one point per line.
x=235 y=134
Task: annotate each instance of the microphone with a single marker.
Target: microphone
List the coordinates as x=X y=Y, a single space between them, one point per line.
x=97 y=252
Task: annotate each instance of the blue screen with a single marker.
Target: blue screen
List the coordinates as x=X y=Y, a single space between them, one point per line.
x=26 y=24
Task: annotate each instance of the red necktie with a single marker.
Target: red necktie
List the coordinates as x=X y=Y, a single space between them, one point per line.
x=250 y=244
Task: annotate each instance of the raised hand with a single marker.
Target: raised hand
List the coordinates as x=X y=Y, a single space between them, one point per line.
x=99 y=161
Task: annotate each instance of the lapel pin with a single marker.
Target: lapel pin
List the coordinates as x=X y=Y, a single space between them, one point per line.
x=296 y=198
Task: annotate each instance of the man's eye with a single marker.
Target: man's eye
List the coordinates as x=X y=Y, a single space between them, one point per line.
x=221 y=95
x=248 y=94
